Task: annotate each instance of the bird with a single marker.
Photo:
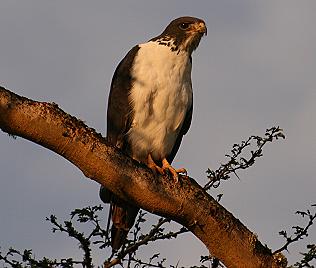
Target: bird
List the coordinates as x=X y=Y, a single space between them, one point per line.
x=150 y=109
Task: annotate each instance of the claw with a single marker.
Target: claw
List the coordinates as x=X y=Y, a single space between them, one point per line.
x=165 y=166
x=174 y=172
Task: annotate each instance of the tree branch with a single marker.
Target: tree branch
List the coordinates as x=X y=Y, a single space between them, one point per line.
x=186 y=202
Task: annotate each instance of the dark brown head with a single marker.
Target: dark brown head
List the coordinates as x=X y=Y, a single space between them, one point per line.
x=183 y=33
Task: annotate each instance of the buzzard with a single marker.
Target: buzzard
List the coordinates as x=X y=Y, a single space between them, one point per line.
x=150 y=108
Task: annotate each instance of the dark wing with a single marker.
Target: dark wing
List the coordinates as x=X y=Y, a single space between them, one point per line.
x=184 y=129
x=119 y=119
x=119 y=110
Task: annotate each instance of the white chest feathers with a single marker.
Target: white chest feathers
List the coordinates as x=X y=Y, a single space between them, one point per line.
x=160 y=96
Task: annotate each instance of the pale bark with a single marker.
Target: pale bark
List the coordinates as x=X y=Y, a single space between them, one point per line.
x=186 y=202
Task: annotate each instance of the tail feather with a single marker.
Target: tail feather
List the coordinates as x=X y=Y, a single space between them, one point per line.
x=118 y=237
x=123 y=217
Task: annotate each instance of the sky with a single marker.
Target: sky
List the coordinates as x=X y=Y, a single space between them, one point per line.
x=255 y=69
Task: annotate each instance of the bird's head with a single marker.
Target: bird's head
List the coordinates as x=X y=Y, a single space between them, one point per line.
x=185 y=32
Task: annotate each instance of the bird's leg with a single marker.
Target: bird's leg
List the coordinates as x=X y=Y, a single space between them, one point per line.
x=174 y=172
x=153 y=166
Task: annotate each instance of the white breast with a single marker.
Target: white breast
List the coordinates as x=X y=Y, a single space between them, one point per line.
x=161 y=95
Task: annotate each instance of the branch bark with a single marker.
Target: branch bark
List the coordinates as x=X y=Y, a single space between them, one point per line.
x=186 y=202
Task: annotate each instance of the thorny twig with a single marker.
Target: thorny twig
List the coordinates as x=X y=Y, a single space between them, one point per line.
x=29 y=261
x=299 y=231
x=237 y=161
x=308 y=257
x=156 y=233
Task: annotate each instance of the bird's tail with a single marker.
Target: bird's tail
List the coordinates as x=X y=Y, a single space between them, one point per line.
x=123 y=216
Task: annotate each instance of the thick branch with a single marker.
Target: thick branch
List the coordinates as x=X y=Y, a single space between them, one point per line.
x=186 y=203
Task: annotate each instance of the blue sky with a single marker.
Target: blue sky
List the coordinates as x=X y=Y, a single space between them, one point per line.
x=255 y=69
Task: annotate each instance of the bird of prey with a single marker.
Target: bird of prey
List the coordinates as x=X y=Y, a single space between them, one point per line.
x=150 y=108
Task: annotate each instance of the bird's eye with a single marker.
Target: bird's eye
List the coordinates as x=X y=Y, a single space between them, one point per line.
x=184 y=26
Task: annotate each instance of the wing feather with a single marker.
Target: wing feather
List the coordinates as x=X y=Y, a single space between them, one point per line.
x=119 y=111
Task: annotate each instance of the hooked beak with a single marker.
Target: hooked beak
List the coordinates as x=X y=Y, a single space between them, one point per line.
x=200 y=27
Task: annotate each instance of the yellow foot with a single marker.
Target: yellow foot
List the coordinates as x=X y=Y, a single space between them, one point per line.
x=165 y=166
x=174 y=172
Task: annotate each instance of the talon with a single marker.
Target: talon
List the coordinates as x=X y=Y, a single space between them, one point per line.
x=174 y=172
x=182 y=171
x=165 y=167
